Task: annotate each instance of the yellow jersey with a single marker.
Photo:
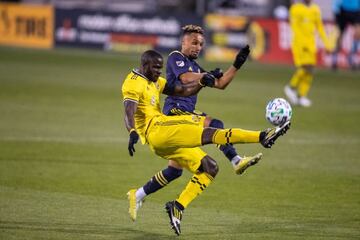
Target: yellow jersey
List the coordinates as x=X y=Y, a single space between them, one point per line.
x=137 y=88
x=304 y=21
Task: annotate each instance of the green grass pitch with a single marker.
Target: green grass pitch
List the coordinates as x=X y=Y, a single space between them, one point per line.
x=65 y=169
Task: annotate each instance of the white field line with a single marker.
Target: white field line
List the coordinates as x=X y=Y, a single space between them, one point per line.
x=324 y=141
x=65 y=139
x=297 y=141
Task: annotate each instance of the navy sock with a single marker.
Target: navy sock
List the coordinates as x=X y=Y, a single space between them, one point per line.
x=228 y=150
x=161 y=179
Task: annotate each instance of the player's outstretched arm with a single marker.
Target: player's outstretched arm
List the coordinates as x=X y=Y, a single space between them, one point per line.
x=130 y=109
x=223 y=81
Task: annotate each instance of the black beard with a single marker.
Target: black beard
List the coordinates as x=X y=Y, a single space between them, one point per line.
x=192 y=57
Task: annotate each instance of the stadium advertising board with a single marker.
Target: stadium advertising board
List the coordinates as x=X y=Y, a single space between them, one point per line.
x=263 y=8
x=26 y=25
x=122 y=32
x=270 y=40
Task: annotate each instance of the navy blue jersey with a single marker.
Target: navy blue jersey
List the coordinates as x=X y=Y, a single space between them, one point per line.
x=176 y=65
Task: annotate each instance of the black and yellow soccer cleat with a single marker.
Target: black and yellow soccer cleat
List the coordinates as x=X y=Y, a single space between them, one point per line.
x=175 y=215
x=246 y=162
x=269 y=136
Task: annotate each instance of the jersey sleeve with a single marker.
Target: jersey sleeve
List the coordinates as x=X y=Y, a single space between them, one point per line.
x=177 y=64
x=320 y=28
x=132 y=90
x=294 y=17
x=162 y=83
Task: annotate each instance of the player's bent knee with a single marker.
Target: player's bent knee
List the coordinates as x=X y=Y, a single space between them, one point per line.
x=207 y=135
x=209 y=165
x=216 y=123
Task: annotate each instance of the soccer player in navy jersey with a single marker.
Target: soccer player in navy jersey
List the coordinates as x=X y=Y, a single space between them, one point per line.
x=182 y=68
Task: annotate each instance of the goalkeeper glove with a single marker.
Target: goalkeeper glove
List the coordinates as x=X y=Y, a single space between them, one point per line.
x=207 y=80
x=133 y=139
x=241 y=57
x=217 y=73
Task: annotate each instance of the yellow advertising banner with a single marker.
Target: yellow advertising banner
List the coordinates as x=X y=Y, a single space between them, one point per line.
x=26 y=25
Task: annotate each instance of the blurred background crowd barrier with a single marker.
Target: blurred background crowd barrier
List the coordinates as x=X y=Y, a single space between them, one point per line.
x=136 y=25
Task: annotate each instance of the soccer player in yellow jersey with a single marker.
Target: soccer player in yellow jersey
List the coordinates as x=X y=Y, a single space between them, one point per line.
x=305 y=19
x=176 y=138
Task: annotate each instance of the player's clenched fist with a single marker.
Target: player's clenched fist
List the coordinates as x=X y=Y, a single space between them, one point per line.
x=217 y=73
x=207 y=80
x=133 y=139
x=241 y=57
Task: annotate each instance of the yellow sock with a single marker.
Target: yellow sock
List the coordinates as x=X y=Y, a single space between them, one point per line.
x=235 y=135
x=296 y=78
x=196 y=186
x=305 y=84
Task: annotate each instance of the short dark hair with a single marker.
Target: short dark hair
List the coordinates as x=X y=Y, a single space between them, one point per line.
x=188 y=29
x=148 y=56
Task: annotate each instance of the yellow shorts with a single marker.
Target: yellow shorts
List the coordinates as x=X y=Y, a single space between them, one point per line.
x=177 y=138
x=303 y=55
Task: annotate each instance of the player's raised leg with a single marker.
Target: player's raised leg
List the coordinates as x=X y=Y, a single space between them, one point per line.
x=188 y=132
x=236 y=135
x=239 y=163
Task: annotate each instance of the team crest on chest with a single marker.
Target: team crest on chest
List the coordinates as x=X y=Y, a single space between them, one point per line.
x=190 y=69
x=153 y=100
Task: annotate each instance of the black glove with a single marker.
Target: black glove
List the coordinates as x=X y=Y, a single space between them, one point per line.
x=217 y=73
x=207 y=80
x=241 y=57
x=133 y=139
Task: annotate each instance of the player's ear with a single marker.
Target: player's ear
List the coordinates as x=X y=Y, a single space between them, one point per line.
x=182 y=41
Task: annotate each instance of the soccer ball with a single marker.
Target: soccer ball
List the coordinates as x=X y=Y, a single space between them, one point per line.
x=278 y=111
